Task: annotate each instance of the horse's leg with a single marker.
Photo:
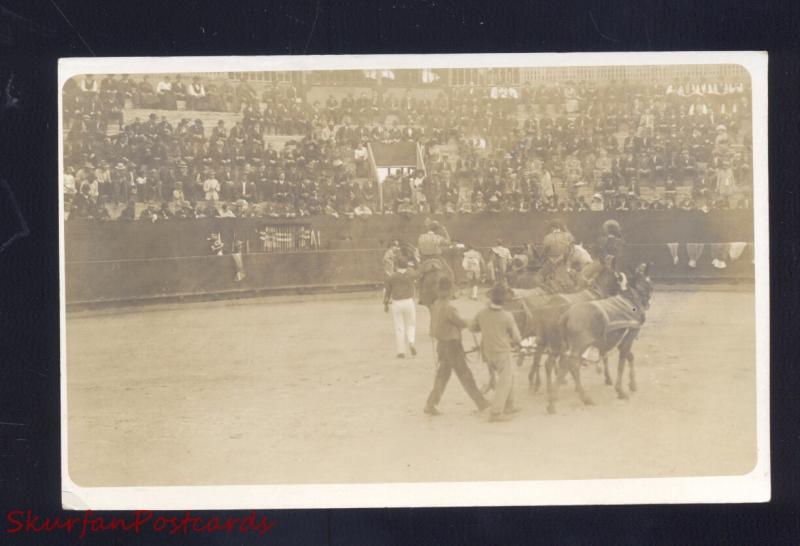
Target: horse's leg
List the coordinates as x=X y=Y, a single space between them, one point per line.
x=562 y=375
x=632 y=379
x=575 y=370
x=534 y=377
x=552 y=385
x=605 y=369
x=621 y=394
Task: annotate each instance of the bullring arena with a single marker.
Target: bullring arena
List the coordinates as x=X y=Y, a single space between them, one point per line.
x=306 y=389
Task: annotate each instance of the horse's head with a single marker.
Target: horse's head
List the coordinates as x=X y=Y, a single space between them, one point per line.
x=640 y=284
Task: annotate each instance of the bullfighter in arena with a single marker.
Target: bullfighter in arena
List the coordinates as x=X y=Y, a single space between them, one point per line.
x=474 y=265
x=399 y=295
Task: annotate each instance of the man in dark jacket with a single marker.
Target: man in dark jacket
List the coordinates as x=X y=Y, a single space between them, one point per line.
x=446 y=326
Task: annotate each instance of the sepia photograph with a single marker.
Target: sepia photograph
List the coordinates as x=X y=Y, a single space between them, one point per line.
x=414 y=280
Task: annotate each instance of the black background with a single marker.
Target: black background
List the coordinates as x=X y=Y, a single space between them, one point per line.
x=34 y=34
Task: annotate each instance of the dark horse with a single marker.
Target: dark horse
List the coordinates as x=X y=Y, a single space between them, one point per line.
x=605 y=324
x=431 y=270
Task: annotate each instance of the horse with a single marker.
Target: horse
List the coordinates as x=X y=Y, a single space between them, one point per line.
x=547 y=315
x=604 y=324
x=431 y=270
x=537 y=311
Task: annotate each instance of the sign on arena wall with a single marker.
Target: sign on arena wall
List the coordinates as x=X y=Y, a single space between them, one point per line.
x=288 y=238
x=269 y=238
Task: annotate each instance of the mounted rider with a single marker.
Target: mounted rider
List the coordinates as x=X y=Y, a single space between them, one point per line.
x=611 y=243
x=558 y=246
x=608 y=252
x=430 y=246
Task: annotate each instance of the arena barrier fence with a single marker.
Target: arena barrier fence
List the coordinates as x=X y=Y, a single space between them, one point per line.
x=139 y=279
x=123 y=240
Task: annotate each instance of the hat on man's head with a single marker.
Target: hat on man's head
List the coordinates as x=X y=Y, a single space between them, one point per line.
x=497 y=295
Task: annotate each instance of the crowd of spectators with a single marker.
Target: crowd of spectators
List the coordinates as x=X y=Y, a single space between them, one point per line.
x=548 y=147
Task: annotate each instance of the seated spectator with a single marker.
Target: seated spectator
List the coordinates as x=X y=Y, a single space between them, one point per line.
x=226 y=212
x=597 y=203
x=129 y=212
x=196 y=95
x=83 y=204
x=362 y=211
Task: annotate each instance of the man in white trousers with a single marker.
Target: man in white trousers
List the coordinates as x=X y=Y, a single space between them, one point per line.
x=399 y=294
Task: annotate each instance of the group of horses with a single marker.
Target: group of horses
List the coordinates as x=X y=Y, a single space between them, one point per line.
x=567 y=326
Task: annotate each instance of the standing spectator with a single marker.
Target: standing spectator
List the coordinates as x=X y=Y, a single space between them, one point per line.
x=196 y=95
x=141 y=183
x=498 y=333
x=119 y=183
x=179 y=91
x=102 y=176
x=361 y=155
x=211 y=187
x=165 y=95
x=446 y=326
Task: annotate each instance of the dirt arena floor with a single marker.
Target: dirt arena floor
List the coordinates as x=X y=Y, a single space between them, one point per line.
x=307 y=390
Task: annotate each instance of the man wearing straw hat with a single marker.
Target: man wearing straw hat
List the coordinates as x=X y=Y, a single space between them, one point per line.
x=499 y=332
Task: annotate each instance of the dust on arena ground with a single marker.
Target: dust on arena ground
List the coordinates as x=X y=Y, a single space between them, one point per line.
x=307 y=390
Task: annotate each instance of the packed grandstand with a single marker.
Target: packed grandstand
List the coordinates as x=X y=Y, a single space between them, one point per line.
x=295 y=144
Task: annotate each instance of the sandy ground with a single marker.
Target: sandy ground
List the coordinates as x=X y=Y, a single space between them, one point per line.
x=307 y=390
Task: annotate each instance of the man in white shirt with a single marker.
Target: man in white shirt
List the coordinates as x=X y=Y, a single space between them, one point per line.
x=165 y=94
x=196 y=95
x=211 y=187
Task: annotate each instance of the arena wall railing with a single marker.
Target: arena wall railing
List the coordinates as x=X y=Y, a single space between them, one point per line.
x=137 y=261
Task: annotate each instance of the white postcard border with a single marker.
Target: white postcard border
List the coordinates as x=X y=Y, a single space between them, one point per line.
x=752 y=487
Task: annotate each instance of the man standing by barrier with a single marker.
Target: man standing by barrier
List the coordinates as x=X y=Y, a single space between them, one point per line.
x=499 y=332
x=399 y=294
x=446 y=326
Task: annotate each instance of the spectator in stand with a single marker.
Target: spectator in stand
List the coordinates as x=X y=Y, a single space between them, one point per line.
x=196 y=95
x=574 y=140
x=361 y=155
x=166 y=96
x=211 y=187
x=145 y=96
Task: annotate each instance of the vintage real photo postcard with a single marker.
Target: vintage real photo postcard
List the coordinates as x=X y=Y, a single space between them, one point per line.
x=414 y=280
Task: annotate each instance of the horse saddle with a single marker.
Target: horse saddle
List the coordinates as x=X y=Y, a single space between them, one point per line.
x=619 y=313
x=431 y=264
